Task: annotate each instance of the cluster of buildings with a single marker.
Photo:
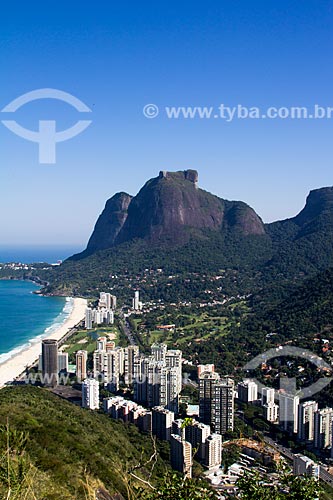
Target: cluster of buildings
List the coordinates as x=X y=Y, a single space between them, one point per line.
x=186 y=439
x=103 y=313
x=304 y=420
x=110 y=363
x=157 y=379
x=157 y=382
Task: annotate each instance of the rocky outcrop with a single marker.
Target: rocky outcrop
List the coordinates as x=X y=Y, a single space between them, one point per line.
x=169 y=209
x=109 y=223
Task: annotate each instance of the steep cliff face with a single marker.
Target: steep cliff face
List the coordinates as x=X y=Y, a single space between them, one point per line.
x=109 y=223
x=169 y=209
x=318 y=211
x=316 y=218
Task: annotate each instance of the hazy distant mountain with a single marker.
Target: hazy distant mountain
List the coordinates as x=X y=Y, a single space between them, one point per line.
x=168 y=210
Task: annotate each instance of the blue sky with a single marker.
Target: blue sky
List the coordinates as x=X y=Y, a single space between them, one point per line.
x=118 y=56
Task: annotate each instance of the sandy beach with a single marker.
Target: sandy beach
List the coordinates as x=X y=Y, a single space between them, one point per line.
x=14 y=366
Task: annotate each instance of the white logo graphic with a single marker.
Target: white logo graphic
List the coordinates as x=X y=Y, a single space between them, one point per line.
x=47 y=136
x=288 y=385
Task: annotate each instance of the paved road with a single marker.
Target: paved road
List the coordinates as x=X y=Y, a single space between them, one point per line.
x=127 y=331
x=282 y=449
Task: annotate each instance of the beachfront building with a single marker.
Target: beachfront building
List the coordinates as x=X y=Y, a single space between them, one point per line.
x=90 y=394
x=50 y=362
x=62 y=362
x=107 y=301
x=88 y=323
x=100 y=315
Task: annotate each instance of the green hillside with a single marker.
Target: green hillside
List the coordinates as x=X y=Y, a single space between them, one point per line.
x=69 y=452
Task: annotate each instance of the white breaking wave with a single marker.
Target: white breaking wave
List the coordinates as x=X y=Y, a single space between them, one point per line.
x=58 y=321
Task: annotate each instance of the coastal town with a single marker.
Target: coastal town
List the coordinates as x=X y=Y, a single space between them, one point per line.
x=84 y=364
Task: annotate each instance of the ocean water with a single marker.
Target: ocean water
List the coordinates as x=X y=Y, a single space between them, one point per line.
x=28 y=253
x=26 y=317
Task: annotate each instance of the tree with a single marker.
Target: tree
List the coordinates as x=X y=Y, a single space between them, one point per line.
x=291 y=487
x=174 y=487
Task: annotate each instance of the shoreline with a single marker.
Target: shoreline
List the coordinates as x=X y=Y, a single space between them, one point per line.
x=15 y=366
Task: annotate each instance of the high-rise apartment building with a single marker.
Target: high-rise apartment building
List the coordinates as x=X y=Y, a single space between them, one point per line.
x=247 y=391
x=181 y=455
x=170 y=387
x=177 y=427
x=107 y=301
x=162 y=422
x=50 y=362
x=223 y=406
x=101 y=344
x=158 y=352
x=88 y=319
x=323 y=428
x=271 y=412
x=213 y=451
x=90 y=394
x=136 y=301
x=106 y=367
x=196 y=434
x=267 y=395
x=288 y=412
x=140 y=382
x=207 y=382
x=81 y=365
x=306 y=411
x=62 y=362
x=129 y=355
x=158 y=378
